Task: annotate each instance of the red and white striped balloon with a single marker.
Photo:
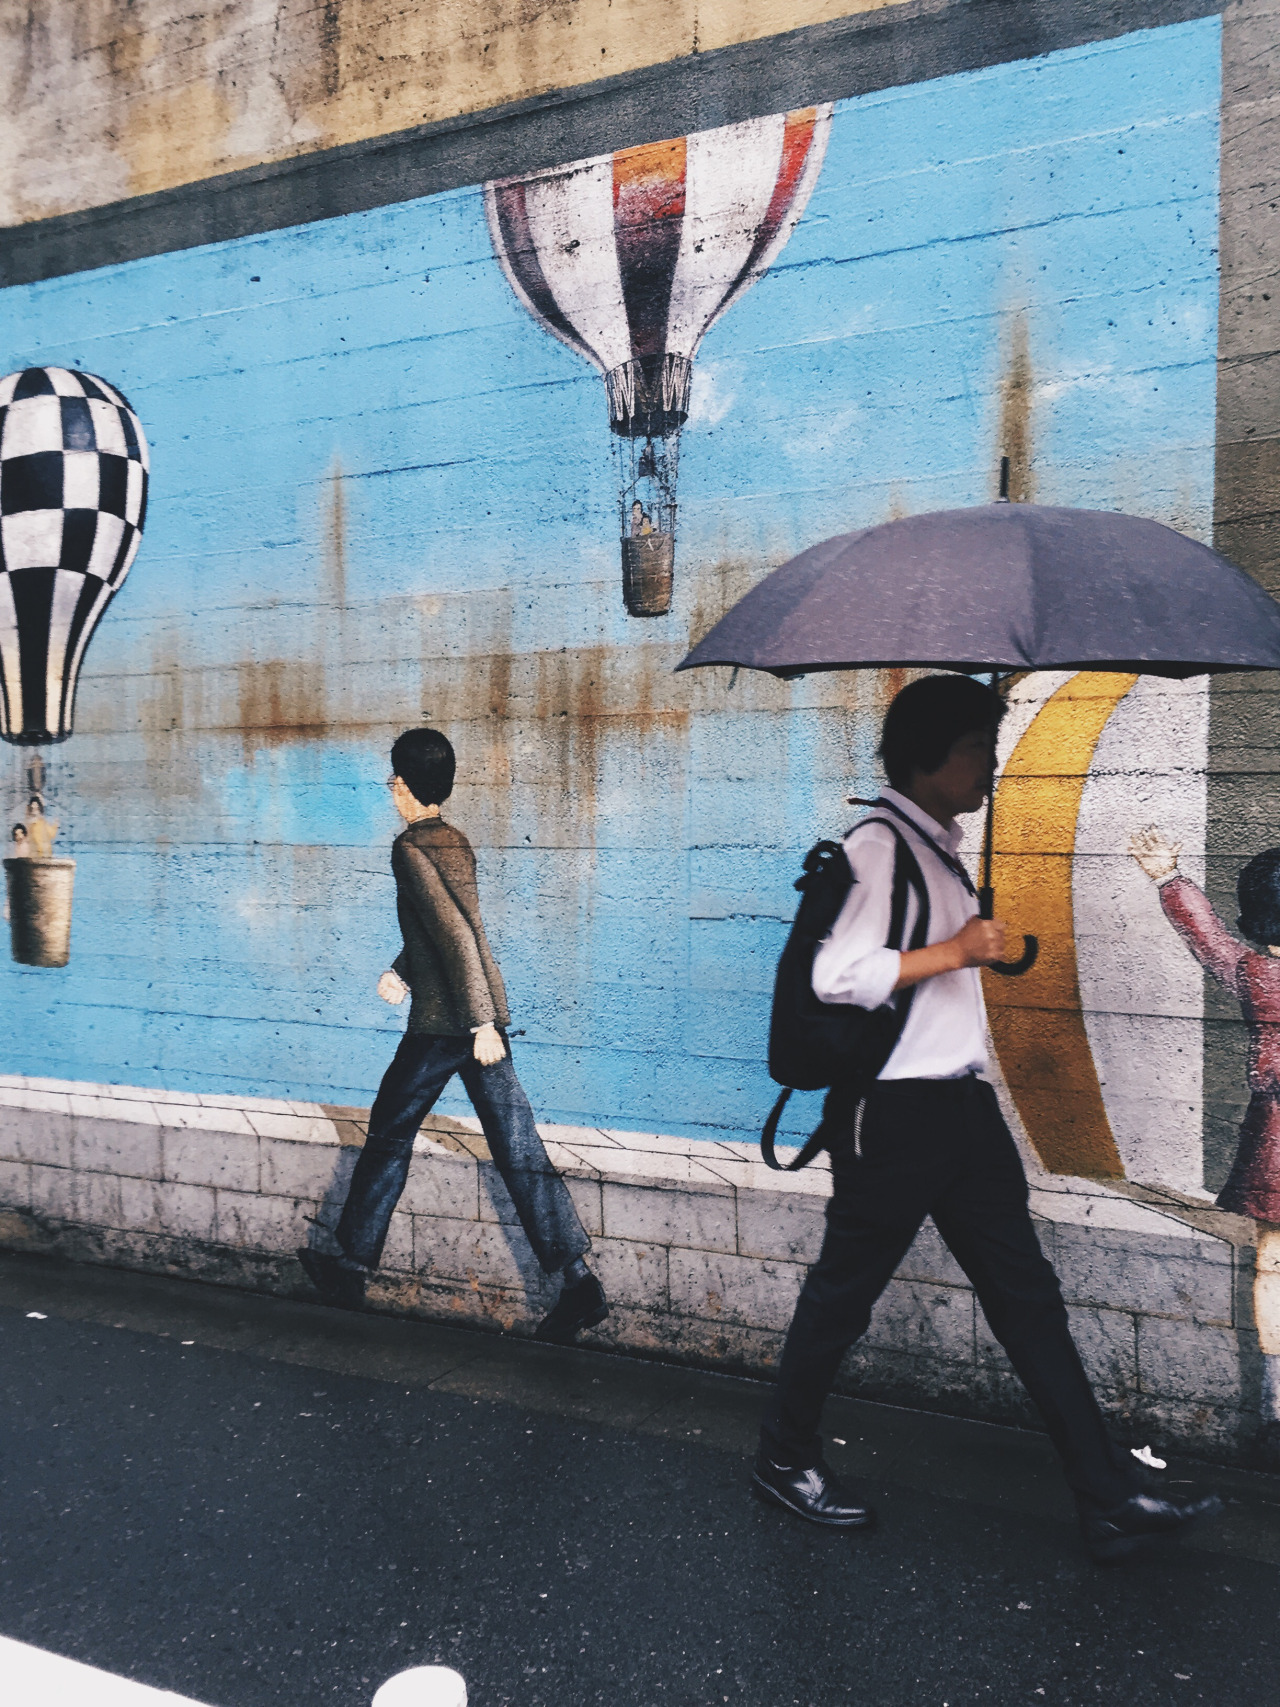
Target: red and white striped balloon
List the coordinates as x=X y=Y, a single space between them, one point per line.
x=628 y=258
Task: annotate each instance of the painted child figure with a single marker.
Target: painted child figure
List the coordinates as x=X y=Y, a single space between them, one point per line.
x=457 y=1020
x=1253 y=977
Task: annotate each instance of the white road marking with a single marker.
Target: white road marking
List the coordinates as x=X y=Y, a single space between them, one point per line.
x=34 y=1678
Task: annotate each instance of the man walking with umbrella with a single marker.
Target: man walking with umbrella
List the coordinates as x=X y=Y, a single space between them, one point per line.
x=932 y=1142
x=1002 y=587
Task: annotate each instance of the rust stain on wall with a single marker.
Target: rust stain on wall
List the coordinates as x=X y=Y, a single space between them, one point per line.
x=280 y=701
x=1016 y=385
x=335 y=537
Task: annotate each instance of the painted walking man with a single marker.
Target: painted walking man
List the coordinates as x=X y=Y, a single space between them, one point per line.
x=932 y=1142
x=457 y=1024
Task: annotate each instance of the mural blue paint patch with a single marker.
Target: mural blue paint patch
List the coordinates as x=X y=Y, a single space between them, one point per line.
x=367 y=455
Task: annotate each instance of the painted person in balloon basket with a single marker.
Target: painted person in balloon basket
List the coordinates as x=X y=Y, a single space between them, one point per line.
x=930 y=1141
x=458 y=1023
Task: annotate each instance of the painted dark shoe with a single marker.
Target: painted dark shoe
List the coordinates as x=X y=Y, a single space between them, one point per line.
x=1142 y=1521
x=814 y=1494
x=338 y=1283
x=577 y=1307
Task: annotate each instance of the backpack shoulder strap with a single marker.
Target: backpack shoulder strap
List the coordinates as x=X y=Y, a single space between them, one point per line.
x=907 y=876
x=948 y=859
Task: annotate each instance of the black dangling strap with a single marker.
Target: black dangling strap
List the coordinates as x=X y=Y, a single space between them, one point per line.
x=808 y=1151
x=770 y=1131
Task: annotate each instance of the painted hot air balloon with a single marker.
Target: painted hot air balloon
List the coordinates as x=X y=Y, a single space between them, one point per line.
x=628 y=258
x=73 y=499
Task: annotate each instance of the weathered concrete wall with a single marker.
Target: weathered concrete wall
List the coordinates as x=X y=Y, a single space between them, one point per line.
x=102 y=99
x=382 y=494
x=701 y=1248
x=1244 y=786
x=385 y=495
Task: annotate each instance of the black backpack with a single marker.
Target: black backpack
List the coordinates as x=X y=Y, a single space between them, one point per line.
x=814 y=1044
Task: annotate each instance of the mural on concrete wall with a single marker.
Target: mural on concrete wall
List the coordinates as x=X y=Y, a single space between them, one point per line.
x=73 y=496
x=387 y=497
x=1020 y=259
x=630 y=259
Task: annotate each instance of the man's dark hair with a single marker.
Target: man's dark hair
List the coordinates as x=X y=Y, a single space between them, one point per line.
x=424 y=761
x=927 y=719
x=1258 y=891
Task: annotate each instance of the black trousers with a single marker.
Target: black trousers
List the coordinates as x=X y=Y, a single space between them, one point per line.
x=939 y=1147
x=419 y=1071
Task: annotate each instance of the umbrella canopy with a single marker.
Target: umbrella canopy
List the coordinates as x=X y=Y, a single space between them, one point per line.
x=1006 y=587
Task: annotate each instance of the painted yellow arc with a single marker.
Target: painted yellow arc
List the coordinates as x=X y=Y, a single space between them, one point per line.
x=1037 y=1023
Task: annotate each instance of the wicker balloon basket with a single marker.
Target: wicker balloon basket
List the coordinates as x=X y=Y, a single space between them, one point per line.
x=39 y=892
x=647 y=563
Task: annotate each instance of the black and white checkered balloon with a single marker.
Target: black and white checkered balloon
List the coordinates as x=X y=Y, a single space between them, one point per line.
x=73 y=499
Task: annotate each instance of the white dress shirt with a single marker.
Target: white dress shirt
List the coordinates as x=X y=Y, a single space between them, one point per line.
x=946 y=1031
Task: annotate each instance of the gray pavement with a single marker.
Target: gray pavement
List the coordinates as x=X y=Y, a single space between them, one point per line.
x=253 y=1501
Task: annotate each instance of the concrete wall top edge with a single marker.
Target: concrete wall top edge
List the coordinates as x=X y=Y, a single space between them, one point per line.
x=895 y=43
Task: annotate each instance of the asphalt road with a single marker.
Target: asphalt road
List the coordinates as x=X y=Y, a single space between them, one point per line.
x=297 y=1504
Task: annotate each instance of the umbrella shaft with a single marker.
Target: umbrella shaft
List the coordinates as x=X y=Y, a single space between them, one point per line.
x=986 y=897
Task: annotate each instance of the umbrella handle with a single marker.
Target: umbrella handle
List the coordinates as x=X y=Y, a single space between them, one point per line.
x=1027 y=959
x=1030 y=944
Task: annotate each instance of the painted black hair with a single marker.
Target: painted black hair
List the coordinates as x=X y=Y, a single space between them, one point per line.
x=1258 y=891
x=927 y=719
x=424 y=761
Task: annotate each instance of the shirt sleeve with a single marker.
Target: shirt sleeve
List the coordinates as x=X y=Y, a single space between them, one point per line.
x=853 y=965
x=1190 y=912
x=448 y=928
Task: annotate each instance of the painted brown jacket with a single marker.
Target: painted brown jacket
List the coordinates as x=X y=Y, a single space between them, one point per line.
x=446 y=960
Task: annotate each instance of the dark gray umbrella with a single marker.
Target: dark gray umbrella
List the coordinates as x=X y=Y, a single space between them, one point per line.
x=1002 y=587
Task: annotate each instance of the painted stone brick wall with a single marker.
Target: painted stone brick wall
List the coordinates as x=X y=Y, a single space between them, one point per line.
x=702 y=1250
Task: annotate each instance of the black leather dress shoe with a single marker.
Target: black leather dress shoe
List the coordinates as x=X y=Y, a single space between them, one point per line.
x=813 y=1494
x=1141 y=1521
x=338 y=1283
x=581 y=1306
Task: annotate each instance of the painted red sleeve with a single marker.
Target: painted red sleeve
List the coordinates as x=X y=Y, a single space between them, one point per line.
x=1190 y=912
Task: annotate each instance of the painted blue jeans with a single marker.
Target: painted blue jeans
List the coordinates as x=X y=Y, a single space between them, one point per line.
x=419 y=1071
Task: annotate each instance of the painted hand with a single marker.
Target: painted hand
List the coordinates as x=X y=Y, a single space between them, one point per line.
x=1158 y=858
x=392 y=988
x=489 y=1047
